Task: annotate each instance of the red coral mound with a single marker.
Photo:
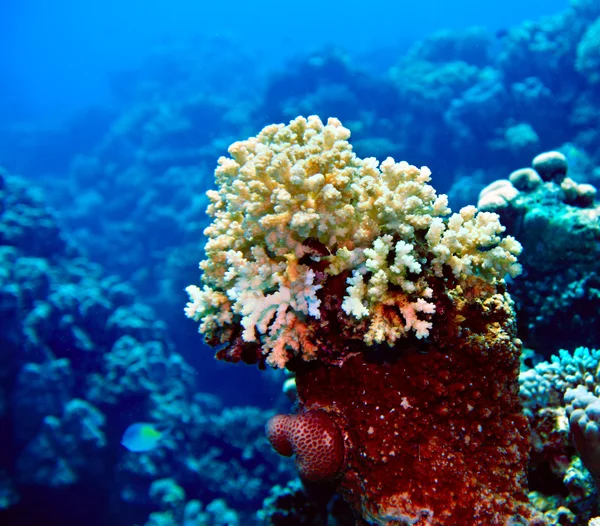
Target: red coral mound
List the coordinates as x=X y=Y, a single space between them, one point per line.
x=314 y=438
x=278 y=434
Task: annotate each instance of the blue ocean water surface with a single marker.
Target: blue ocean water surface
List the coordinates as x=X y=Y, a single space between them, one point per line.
x=58 y=56
x=113 y=115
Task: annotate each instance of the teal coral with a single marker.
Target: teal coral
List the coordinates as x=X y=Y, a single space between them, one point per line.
x=176 y=510
x=79 y=361
x=556 y=219
x=66 y=448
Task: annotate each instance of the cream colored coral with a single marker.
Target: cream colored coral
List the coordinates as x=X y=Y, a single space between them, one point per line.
x=583 y=195
x=363 y=297
x=293 y=186
x=470 y=243
x=498 y=195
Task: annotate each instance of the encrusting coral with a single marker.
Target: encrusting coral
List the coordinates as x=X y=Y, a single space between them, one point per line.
x=392 y=312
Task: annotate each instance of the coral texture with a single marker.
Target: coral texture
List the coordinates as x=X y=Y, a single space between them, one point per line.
x=297 y=212
x=314 y=438
x=79 y=361
x=557 y=220
x=558 y=479
x=583 y=410
x=81 y=354
x=392 y=312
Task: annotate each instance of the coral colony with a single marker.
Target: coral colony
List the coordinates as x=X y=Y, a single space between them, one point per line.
x=392 y=312
x=443 y=368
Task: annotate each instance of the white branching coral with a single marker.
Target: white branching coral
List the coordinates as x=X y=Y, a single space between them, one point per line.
x=403 y=273
x=383 y=225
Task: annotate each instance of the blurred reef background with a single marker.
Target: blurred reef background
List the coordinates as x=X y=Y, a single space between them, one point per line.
x=106 y=159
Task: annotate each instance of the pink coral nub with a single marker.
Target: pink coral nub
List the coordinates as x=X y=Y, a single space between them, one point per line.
x=314 y=438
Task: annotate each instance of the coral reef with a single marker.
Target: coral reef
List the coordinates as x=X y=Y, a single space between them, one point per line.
x=583 y=411
x=557 y=221
x=390 y=312
x=80 y=360
x=176 y=511
x=307 y=240
x=453 y=99
x=551 y=392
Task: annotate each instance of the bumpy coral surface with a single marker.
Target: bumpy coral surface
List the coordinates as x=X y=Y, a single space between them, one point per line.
x=392 y=312
x=314 y=438
x=559 y=481
x=557 y=221
x=583 y=410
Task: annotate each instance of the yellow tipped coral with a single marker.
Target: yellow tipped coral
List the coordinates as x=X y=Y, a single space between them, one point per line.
x=295 y=208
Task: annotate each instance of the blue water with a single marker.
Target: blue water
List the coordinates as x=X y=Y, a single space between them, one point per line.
x=58 y=56
x=113 y=115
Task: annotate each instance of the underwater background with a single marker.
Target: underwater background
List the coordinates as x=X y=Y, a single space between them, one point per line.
x=113 y=115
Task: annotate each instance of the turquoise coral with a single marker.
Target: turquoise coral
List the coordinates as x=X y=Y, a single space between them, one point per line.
x=556 y=219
